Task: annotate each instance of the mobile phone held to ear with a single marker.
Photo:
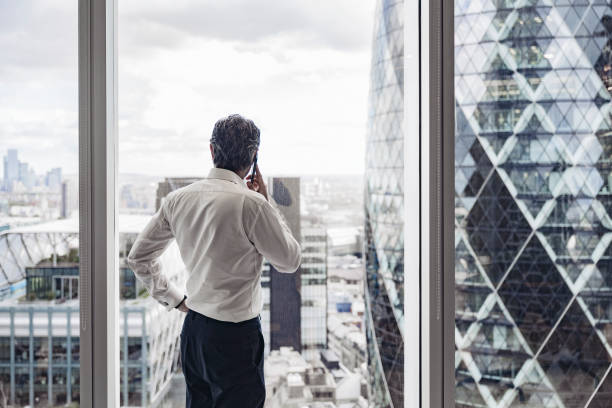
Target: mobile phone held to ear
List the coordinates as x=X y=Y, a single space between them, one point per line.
x=254 y=166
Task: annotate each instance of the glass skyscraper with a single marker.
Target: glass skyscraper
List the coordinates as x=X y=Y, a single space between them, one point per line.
x=285 y=288
x=384 y=241
x=313 y=290
x=533 y=183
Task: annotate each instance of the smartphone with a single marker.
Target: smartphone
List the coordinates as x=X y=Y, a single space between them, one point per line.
x=254 y=166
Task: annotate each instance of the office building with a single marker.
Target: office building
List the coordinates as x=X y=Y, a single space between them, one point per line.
x=53 y=179
x=347 y=340
x=384 y=242
x=20 y=176
x=293 y=382
x=26 y=176
x=533 y=203
x=39 y=330
x=11 y=169
x=313 y=271
x=345 y=241
x=345 y=320
x=285 y=288
x=64 y=202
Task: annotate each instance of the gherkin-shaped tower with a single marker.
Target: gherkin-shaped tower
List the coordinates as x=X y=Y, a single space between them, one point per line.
x=533 y=203
x=384 y=239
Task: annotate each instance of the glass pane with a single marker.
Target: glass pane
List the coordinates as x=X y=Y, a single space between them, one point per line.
x=59 y=348
x=533 y=204
x=301 y=72
x=74 y=288
x=384 y=208
x=39 y=313
x=65 y=288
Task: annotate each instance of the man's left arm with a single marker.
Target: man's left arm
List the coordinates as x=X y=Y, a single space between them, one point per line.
x=144 y=260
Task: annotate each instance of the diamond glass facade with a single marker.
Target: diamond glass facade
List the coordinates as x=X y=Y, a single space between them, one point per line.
x=384 y=208
x=533 y=184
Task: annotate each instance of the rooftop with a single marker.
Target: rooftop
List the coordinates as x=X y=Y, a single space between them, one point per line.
x=25 y=246
x=127 y=223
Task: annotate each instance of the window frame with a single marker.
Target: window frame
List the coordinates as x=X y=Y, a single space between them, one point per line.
x=99 y=307
x=429 y=249
x=412 y=208
x=429 y=113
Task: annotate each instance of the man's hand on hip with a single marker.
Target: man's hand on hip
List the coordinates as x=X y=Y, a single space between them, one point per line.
x=258 y=184
x=181 y=306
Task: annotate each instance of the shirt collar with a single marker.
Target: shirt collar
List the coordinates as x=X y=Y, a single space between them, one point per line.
x=228 y=175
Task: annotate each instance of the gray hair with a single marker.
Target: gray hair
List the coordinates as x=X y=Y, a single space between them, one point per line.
x=235 y=141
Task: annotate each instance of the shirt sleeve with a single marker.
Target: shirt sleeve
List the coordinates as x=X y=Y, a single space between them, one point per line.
x=144 y=259
x=273 y=239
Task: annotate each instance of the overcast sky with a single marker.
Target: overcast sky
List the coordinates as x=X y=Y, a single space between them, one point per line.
x=299 y=68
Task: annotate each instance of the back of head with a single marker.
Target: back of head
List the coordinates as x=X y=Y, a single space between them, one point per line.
x=234 y=141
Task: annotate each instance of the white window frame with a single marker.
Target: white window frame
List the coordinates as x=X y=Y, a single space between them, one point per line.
x=412 y=206
x=99 y=282
x=429 y=131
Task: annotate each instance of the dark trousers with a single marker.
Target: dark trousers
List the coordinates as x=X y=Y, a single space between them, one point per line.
x=222 y=362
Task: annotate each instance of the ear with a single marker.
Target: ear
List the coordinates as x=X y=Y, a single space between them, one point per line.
x=212 y=152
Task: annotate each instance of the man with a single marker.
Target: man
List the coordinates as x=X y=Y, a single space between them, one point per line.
x=223 y=228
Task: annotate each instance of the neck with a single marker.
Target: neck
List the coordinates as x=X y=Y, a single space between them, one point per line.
x=242 y=174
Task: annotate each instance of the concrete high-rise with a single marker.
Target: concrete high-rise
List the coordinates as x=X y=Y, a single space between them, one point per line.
x=26 y=175
x=11 y=169
x=54 y=179
x=39 y=319
x=313 y=274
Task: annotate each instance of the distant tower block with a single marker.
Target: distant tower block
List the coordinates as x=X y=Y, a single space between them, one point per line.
x=285 y=298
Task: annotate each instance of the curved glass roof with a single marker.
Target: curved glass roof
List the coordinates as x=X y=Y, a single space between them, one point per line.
x=22 y=247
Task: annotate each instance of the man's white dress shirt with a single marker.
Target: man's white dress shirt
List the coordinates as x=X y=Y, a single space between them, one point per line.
x=223 y=231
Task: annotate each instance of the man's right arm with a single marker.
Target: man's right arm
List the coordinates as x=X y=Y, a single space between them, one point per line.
x=274 y=240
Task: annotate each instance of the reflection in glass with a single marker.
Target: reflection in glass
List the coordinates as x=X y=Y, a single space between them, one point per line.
x=22 y=349
x=41 y=386
x=59 y=385
x=74 y=384
x=22 y=390
x=60 y=346
x=75 y=344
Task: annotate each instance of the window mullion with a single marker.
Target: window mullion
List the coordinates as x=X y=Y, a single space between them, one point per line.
x=437 y=203
x=99 y=379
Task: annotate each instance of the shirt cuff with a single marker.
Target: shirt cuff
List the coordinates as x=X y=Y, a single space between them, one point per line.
x=173 y=297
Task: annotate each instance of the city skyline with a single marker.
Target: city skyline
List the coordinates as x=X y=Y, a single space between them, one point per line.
x=298 y=71
x=21 y=172
x=161 y=176
x=51 y=282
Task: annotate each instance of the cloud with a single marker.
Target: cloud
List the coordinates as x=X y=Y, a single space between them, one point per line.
x=299 y=68
x=309 y=103
x=37 y=36
x=339 y=24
